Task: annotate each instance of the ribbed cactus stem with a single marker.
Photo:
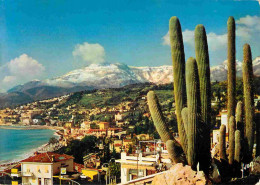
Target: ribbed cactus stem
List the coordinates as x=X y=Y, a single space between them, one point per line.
x=257 y=121
x=247 y=70
x=231 y=137
x=178 y=61
x=158 y=118
x=239 y=118
x=202 y=58
x=185 y=115
x=222 y=142
x=231 y=58
x=237 y=156
x=175 y=152
x=193 y=102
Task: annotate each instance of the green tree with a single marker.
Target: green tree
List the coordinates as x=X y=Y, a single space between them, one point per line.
x=53 y=140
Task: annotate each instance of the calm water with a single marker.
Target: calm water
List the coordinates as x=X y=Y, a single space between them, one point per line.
x=16 y=144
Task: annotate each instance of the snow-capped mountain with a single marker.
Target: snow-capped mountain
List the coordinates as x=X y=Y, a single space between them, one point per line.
x=97 y=76
x=219 y=72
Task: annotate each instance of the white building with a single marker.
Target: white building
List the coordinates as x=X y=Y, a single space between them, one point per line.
x=142 y=164
x=40 y=168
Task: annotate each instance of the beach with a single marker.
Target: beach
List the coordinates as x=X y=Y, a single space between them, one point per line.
x=36 y=133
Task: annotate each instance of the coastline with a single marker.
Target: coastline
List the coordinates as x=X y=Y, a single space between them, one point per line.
x=29 y=127
x=47 y=147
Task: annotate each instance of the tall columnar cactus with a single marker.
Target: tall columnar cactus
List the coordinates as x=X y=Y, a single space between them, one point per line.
x=222 y=142
x=231 y=57
x=175 y=150
x=202 y=58
x=247 y=70
x=232 y=124
x=239 y=118
x=178 y=60
x=237 y=156
x=193 y=102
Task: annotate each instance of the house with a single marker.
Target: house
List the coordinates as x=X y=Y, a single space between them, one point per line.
x=118 y=117
x=85 y=125
x=103 y=125
x=40 y=168
x=119 y=124
x=92 y=160
x=224 y=118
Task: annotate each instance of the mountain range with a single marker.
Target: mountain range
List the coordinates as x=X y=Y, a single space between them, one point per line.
x=100 y=76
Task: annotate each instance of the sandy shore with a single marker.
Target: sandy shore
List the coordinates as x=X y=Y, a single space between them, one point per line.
x=29 y=127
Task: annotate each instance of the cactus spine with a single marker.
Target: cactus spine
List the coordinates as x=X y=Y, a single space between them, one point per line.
x=237 y=156
x=202 y=58
x=231 y=137
x=193 y=102
x=247 y=70
x=231 y=57
x=222 y=142
x=178 y=60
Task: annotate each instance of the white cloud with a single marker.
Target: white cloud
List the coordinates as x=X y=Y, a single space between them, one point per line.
x=248 y=27
x=215 y=41
x=25 y=66
x=89 y=53
x=247 y=31
x=20 y=70
x=9 y=79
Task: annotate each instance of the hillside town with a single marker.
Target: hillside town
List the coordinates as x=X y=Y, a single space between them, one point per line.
x=133 y=151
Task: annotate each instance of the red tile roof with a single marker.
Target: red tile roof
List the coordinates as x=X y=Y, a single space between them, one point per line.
x=47 y=157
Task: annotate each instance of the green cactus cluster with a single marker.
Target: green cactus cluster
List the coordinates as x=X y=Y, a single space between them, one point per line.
x=241 y=123
x=192 y=92
x=191 y=89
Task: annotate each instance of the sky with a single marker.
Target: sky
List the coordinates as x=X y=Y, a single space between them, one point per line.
x=42 y=39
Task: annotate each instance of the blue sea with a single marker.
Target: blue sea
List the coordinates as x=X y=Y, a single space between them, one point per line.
x=16 y=143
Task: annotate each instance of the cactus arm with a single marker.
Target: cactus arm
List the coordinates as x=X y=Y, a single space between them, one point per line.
x=231 y=137
x=222 y=142
x=193 y=102
x=174 y=148
x=239 y=118
x=237 y=156
x=157 y=116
